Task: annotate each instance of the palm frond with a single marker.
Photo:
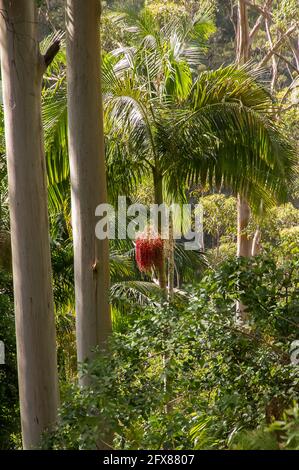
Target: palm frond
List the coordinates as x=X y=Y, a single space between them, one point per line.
x=135 y=292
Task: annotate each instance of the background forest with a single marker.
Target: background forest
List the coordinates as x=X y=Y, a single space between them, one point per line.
x=200 y=106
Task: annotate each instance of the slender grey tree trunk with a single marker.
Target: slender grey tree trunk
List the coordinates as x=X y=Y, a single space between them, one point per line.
x=22 y=70
x=88 y=179
x=256 y=243
x=243 y=40
x=244 y=242
x=244 y=247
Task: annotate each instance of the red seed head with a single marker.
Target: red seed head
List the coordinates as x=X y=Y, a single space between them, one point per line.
x=149 y=253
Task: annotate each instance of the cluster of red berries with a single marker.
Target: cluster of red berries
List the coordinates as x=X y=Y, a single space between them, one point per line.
x=149 y=253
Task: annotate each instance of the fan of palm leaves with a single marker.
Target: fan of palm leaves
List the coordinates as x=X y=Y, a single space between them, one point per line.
x=164 y=114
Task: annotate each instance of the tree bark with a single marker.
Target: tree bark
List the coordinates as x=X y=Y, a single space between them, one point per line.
x=88 y=178
x=277 y=45
x=295 y=49
x=256 y=243
x=244 y=242
x=244 y=247
x=22 y=70
x=243 y=51
x=243 y=39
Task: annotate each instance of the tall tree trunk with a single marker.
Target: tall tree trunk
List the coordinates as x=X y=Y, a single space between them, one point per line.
x=88 y=178
x=243 y=40
x=244 y=247
x=22 y=70
x=295 y=50
x=256 y=243
x=244 y=242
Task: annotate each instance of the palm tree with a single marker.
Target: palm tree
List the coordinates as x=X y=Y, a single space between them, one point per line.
x=183 y=126
x=168 y=118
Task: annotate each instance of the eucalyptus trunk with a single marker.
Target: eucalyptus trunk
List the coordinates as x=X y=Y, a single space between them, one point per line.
x=88 y=177
x=244 y=241
x=22 y=70
x=256 y=243
x=243 y=39
x=244 y=247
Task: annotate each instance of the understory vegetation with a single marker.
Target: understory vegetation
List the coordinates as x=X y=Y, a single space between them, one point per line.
x=226 y=386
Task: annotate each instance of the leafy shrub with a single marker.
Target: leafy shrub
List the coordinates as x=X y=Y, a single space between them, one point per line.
x=187 y=376
x=9 y=404
x=283 y=434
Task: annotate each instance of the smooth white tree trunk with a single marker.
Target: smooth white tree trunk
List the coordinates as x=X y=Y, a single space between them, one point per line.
x=88 y=180
x=244 y=242
x=22 y=68
x=244 y=247
x=256 y=243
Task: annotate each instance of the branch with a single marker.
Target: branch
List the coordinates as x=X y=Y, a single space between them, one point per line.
x=295 y=49
x=257 y=7
x=284 y=110
x=274 y=61
x=51 y=53
x=277 y=46
x=231 y=16
x=287 y=61
x=264 y=13
x=256 y=27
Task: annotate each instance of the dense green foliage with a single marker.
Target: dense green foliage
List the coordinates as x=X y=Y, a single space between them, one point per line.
x=220 y=378
x=9 y=399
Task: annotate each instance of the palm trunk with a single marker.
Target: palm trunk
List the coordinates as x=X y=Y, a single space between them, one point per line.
x=171 y=265
x=88 y=178
x=158 y=188
x=22 y=70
